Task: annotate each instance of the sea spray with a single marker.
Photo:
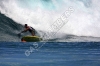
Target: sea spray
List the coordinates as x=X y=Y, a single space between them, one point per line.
x=42 y=13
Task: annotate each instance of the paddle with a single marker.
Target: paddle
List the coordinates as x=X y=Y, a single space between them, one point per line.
x=19 y=35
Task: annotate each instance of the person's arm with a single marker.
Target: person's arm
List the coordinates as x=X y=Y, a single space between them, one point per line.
x=19 y=34
x=25 y=30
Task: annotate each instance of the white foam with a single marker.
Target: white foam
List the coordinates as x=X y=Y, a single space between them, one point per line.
x=84 y=21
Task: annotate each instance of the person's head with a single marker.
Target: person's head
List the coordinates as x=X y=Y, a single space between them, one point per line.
x=25 y=25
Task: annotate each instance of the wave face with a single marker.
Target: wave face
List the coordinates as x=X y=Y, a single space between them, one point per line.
x=42 y=14
x=9 y=29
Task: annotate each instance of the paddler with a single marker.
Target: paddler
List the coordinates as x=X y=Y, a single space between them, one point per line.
x=28 y=28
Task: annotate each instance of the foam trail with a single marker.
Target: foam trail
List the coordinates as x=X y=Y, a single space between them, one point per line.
x=40 y=14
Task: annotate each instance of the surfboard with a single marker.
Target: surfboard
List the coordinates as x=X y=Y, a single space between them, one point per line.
x=31 y=39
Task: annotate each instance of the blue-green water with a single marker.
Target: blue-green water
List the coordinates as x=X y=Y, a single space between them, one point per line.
x=50 y=54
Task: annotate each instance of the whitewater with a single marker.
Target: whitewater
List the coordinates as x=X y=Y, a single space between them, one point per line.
x=82 y=24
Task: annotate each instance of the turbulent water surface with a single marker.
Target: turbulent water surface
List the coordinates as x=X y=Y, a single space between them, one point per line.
x=69 y=20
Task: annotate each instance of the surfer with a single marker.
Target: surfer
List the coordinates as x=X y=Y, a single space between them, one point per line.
x=30 y=29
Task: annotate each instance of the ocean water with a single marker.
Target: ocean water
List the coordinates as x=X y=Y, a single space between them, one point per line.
x=70 y=30
x=50 y=54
